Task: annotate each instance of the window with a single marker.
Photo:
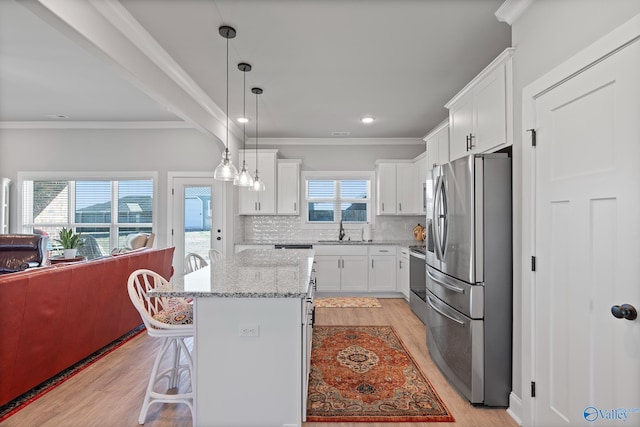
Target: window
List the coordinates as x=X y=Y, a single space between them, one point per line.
x=104 y=211
x=331 y=200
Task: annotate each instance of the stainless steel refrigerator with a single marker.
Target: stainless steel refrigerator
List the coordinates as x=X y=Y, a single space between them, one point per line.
x=469 y=275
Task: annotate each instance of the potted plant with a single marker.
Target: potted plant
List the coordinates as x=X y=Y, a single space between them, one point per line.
x=70 y=242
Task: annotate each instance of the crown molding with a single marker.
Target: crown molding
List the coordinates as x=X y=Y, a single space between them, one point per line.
x=511 y=10
x=334 y=141
x=96 y=125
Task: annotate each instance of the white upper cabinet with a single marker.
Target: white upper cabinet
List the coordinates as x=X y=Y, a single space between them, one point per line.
x=421 y=171
x=386 y=188
x=288 y=187
x=437 y=145
x=259 y=202
x=480 y=116
x=407 y=195
x=398 y=187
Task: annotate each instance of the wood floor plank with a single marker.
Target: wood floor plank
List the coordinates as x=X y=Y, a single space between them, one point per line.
x=109 y=393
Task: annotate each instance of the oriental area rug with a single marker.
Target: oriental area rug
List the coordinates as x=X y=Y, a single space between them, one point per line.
x=365 y=374
x=40 y=390
x=348 y=302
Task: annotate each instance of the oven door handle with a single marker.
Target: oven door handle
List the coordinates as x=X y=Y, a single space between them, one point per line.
x=444 y=284
x=437 y=310
x=417 y=255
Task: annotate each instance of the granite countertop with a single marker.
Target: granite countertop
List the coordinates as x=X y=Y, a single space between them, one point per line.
x=254 y=273
x=405 y=242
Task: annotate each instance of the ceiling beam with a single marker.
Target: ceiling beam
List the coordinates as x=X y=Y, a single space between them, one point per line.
x=107 y=30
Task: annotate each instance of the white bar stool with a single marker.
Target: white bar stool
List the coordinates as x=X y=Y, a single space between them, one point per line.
x=172 y=320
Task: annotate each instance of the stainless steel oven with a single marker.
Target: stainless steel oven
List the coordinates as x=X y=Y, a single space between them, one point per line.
x=418 y=282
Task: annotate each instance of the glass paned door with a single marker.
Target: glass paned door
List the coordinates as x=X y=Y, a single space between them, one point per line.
x=197 y=220
x=192 y=219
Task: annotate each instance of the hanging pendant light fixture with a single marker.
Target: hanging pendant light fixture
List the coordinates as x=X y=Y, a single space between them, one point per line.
x=226 y=171
x=258 y=185
x=244 y=178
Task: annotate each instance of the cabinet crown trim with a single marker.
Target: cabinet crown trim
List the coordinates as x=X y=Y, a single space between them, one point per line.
x=500 y=60
x=435 y=130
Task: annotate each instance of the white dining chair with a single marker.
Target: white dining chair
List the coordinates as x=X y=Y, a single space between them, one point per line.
x=215 y=255
x=193 y=262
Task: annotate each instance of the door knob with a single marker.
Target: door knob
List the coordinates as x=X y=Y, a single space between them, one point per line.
x=626 y=311
x=218 y=238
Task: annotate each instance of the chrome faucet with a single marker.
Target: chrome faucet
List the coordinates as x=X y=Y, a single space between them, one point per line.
x=341 y=234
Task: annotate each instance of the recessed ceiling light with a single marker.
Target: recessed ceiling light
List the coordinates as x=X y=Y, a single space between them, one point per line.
x=57 y=116
x=367 y=119
x=242 y=120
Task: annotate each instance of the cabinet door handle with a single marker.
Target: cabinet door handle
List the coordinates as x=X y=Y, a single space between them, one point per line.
x=468 y=143
x=471 y=144
x=295 y=206
x=343 y=263
x=371 y=263
x=382 y=206
x=400 y=206
x=339 y=263
x=400 y=264
x=259 y=206
x=255 y=206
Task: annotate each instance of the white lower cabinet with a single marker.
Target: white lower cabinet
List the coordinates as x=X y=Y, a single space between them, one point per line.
x=356 y=268
x=402 y=276
x=341 y=268
x=382 y=268
x=354 y=273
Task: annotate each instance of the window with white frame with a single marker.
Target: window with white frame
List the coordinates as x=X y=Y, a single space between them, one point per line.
x=104 y=211
x=331 y=198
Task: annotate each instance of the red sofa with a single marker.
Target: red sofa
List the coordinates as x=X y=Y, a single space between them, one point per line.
x=56 y=316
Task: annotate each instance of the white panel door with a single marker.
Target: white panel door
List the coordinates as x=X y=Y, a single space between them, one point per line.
x=587 y=246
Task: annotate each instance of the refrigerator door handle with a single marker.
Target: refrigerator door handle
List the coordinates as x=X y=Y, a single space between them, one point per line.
x=440 y=234
x=442 y=313
x=445 y=285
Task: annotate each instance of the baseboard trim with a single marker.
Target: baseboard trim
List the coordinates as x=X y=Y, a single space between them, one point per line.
x=515 y=408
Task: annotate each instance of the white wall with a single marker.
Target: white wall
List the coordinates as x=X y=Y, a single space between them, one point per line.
x=547 y=34
x=101 y=150
x=167 y=150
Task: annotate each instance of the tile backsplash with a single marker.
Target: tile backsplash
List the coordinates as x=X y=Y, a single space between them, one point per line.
x=291 y=229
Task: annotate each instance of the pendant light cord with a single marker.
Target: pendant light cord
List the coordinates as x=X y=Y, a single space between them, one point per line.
x=227 y=69
x=244 y=117
x=256 y=134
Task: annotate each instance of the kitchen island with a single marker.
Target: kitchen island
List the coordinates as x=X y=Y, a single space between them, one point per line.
x=253 y=316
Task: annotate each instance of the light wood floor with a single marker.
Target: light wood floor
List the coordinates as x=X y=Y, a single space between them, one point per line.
x=109 y=393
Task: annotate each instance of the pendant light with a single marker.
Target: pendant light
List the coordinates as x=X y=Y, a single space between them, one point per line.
x=244 y=179
x=226 y=171
x=258 y=185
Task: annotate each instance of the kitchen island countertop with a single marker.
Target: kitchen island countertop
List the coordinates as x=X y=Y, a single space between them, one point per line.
x=254 y=273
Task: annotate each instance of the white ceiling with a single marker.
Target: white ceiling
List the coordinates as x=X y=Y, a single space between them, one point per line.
x=323 y=64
